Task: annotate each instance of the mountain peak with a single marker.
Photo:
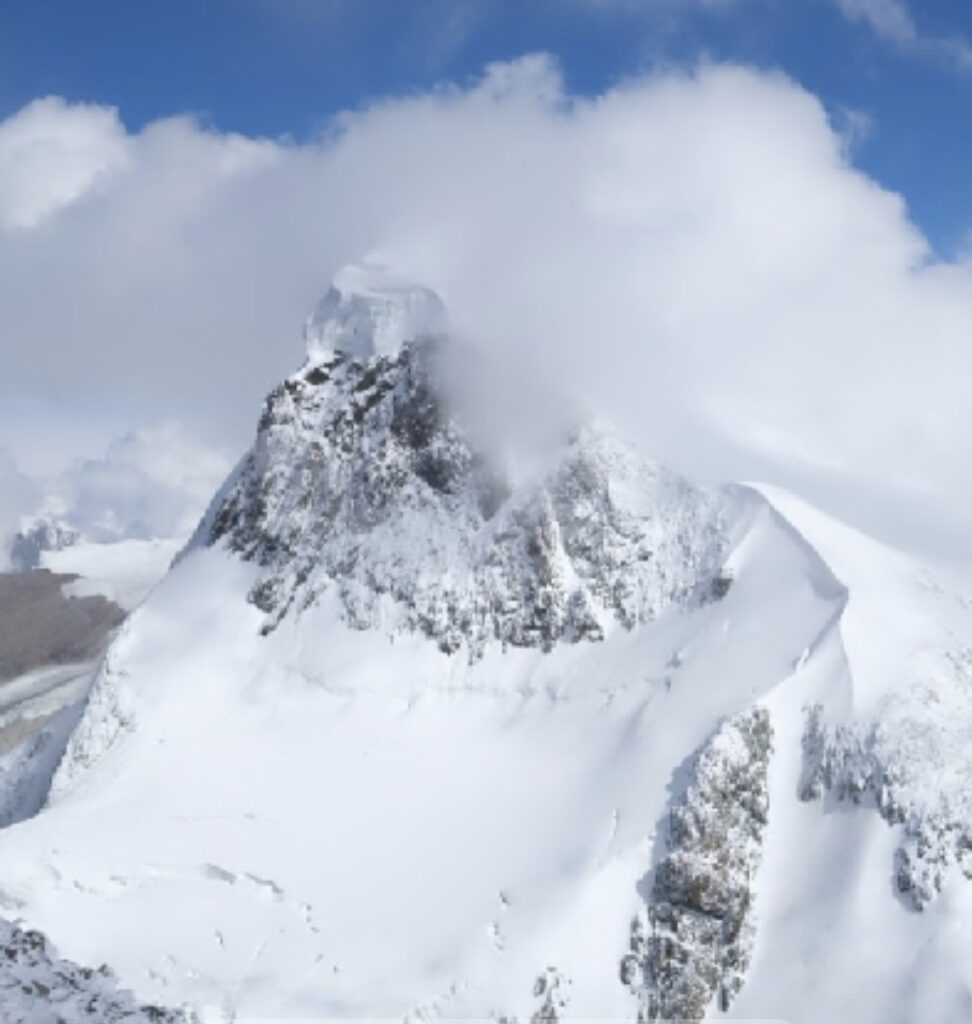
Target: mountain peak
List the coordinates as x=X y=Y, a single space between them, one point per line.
x=371 y=310
x=365 y=484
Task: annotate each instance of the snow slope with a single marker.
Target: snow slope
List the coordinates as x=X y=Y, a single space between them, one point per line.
x=373 y=826
x=839 y=923
x=302 y=789
x=124 y=571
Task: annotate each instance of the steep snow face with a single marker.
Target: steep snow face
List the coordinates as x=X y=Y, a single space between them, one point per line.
x=362 y=481
x=371 y=311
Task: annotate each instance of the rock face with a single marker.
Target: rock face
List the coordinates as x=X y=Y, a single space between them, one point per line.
x=701 y=926
x=363 y=482
x=39 y=626
x=36 y=987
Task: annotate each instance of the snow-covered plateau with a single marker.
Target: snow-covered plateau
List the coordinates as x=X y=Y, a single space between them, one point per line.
x=405 y=734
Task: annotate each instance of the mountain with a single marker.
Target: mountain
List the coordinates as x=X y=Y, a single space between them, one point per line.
x=418 y=726
x=36 y=538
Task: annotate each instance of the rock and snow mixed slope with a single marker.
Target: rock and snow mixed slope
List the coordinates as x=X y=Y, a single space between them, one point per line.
x=37 y=987
x=404 y=734
x=363 y=482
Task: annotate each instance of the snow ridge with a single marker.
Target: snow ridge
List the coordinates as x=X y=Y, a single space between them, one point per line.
x=107 y=716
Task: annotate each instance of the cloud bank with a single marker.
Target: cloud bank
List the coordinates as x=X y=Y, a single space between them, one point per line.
x=692 y=250
x=150 y=483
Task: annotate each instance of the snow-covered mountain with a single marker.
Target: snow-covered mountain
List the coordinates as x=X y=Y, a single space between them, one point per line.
x=414 y=729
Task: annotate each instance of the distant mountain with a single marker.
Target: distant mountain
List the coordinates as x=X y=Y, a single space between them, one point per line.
x=33 y=539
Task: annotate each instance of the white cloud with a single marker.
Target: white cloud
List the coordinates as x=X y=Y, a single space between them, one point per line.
x=51 y=154
x=889 y=18
x=150 y=483
x=893 y=21
x=694 y=250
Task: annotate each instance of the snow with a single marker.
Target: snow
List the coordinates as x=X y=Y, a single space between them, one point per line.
x=40 y=988
x=332 y=822
x=837 y=939
x=42 y=692
x=124 y=571
x=371 y=310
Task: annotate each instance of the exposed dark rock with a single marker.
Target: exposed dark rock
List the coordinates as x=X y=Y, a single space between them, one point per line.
x=700 y=910
x=37 y=987
x=550 y=989
x=39 y=626
x=362 y=479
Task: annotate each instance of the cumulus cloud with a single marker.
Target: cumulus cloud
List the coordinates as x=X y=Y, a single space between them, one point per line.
x=51 y=154
x=694 y=251
x=150 y=483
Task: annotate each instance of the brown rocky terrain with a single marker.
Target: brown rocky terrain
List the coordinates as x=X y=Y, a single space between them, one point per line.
x=40 y=626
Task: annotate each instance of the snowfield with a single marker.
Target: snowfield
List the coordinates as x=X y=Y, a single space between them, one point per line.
x=124 y=571
x=370 y=827
x=729 y=778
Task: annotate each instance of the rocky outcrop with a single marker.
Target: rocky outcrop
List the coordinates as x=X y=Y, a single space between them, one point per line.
x=362 y=480
x=699 y=941
x=37 y=987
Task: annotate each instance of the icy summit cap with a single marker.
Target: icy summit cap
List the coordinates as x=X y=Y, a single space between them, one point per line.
x=371 y=310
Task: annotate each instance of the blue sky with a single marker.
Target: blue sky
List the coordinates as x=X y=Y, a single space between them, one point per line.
x=281 y=67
